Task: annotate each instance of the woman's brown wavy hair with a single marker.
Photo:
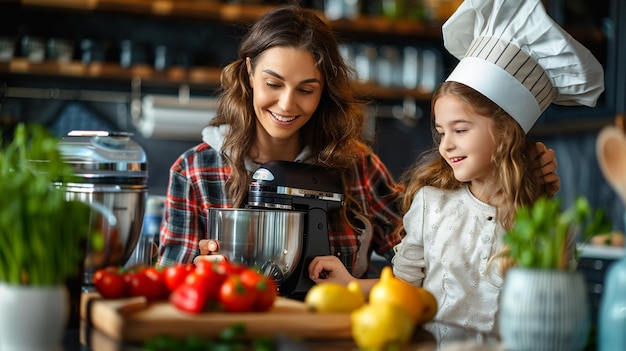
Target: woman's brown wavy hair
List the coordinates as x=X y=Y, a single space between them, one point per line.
x=334 y=133
x=511 y=181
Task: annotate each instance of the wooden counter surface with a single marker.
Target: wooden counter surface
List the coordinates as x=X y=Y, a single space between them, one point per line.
x=122 y=324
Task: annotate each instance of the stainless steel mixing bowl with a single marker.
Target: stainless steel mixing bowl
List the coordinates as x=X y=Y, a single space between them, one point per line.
x=269 y=240
x=127 y=205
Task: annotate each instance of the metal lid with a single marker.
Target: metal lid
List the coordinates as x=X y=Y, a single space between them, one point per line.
x=105 y=157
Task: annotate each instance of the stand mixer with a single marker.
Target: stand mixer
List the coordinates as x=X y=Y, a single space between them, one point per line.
x=291 y=186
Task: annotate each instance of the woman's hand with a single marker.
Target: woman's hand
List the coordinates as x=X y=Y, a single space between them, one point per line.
x=544 y=164
x=208 y=251
x=329 y=269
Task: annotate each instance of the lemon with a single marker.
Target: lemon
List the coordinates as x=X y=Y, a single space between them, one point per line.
x=381 y=326
x=430 y=305
x=390 y=289
x=334 y=298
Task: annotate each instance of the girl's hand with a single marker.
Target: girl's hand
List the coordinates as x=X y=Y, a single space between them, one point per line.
x=329 y=269
x=544 y=164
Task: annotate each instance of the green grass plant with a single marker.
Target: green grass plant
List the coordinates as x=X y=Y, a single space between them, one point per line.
x=42 y=234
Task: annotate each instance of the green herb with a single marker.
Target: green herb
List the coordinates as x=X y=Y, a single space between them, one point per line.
x=230 y=339
x=42 y=235
x=541 y=233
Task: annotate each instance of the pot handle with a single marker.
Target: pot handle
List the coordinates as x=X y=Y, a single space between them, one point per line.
x=106 y=213
x=98 y=257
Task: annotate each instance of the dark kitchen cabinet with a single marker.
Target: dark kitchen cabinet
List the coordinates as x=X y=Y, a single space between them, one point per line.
x=164 y=44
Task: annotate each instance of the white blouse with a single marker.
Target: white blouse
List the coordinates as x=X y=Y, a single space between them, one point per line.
x=450 y=237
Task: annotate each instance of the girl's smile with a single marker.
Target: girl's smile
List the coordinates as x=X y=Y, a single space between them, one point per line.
x=454 y=160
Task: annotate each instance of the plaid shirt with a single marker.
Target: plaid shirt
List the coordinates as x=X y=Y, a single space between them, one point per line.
x=197 y=182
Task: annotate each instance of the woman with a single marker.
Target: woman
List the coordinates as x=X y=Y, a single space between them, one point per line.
x=289 y=96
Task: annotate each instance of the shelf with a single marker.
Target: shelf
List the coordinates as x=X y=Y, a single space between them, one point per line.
x=235 y=13
x=382 y=26
x=184 y=8
x=205 y=77
x=376 y=92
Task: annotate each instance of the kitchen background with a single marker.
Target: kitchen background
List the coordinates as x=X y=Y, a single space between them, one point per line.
x=151 y=68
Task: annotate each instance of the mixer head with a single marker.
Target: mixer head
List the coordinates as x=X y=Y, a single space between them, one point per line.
x=294 y=185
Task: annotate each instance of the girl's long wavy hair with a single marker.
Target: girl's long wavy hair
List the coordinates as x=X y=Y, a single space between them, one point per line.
x=511 y=181
x=334 y=133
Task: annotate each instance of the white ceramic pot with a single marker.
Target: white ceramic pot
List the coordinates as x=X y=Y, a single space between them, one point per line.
x=544 y=310
x=32 y=318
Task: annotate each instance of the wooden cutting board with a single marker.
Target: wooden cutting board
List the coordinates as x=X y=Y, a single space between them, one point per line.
x=134 y=319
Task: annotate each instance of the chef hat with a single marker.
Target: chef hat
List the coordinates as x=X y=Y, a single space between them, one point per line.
x=512 y=52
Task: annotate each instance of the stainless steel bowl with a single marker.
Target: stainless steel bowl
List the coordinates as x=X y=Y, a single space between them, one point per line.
x=128 y=206
x=269 y=240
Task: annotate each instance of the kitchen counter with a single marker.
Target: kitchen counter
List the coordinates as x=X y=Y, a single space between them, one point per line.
x=89 y=339
x=601 y=252
x=86 y=338
x=123 y=324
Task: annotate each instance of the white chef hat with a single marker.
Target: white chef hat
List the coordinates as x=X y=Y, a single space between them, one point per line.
x=512 y=52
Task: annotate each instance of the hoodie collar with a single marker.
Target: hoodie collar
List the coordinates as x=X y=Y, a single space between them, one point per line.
x=215 y=135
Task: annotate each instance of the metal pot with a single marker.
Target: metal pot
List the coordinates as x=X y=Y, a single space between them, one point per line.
x=270 y=240
x=111 y=169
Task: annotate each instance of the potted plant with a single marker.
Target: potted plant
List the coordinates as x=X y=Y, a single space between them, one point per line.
x=42 y=238
x=544 y=303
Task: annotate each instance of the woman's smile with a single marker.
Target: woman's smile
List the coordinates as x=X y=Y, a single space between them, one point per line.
x=281 y=118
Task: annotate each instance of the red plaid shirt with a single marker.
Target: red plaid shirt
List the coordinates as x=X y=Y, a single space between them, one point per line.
x=197 y=182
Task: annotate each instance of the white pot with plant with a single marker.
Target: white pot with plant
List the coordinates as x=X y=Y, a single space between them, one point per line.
x=544 y=303
x=42 y=241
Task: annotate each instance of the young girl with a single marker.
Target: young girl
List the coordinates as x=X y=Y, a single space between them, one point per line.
x=459 y=201
x=515 y=62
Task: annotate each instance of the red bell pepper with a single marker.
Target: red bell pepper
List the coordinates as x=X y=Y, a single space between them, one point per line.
x=188 y=298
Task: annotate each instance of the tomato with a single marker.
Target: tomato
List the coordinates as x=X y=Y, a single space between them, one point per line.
x=264 y=287
x=129 y=273
x=158 y=277
x=267 y=294
x=110 y=282
x=205 y=266
x=175 y=275
x=229 y=268
x=207 y=281
x=148 y=282
x=235 y=296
